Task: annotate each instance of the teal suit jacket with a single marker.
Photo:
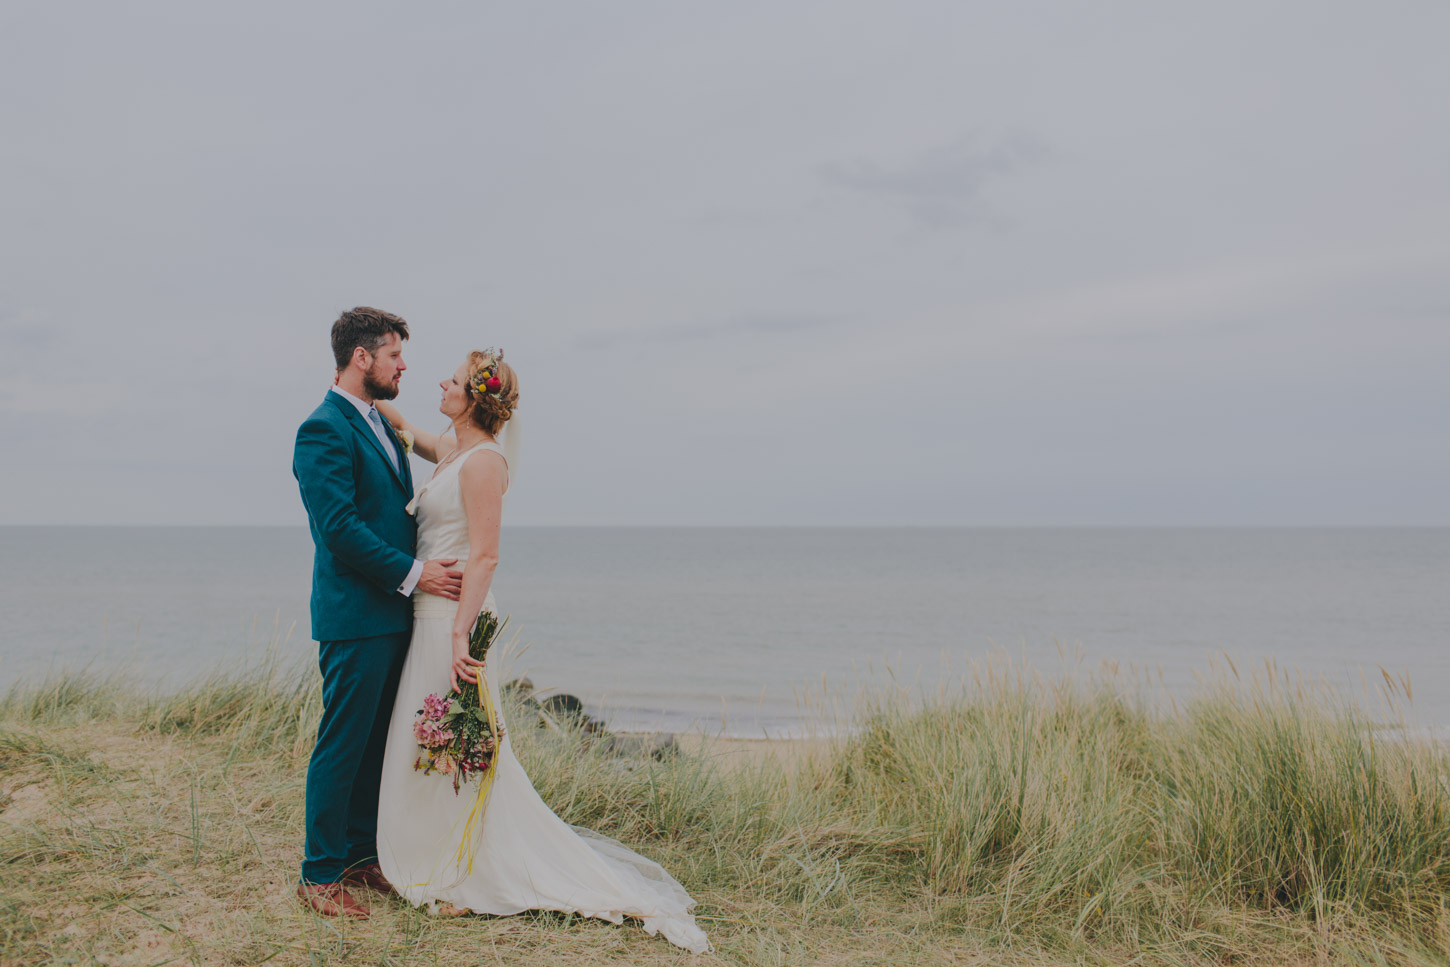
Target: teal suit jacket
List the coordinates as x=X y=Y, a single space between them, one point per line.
x=365 y=540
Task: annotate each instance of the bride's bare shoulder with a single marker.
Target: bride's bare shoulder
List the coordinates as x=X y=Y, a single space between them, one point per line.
x=484 y=470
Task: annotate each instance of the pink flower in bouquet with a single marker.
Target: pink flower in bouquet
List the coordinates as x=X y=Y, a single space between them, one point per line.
x=428 y=727
x=431 y=735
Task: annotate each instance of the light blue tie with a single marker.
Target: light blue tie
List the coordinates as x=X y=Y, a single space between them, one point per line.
x=376 y=419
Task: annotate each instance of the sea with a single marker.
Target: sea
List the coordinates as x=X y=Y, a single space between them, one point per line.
x=786 y=631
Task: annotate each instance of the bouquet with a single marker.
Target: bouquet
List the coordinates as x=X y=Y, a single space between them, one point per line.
x=459 y=732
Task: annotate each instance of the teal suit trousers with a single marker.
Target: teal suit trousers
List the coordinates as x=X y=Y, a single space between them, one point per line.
x=359 y=681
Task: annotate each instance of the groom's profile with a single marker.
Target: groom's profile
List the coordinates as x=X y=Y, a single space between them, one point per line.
x=355 y=482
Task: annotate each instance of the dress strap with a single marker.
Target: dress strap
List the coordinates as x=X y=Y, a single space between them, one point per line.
x=489 y=445
x=485 y=445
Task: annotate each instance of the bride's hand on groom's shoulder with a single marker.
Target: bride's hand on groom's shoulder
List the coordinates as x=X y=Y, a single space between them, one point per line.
x=432 y=447
x=392 y=414
x=439 y=578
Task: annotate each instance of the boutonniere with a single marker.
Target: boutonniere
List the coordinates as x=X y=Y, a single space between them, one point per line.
x=407 y=437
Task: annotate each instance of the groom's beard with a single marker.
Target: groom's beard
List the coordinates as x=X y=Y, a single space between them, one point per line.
x=380 y=389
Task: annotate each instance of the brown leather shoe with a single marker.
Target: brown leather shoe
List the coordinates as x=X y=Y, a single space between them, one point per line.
x=330 y=900
x=368 y=875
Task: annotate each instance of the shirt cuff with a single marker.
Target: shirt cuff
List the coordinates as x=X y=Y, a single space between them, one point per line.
x=411 y=581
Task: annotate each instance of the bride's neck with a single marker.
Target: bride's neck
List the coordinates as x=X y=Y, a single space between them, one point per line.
x=468 y=434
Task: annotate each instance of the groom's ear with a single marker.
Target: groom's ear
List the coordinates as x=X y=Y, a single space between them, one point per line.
x=359 y=357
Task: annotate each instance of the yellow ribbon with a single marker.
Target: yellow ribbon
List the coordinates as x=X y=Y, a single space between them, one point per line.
x=466 y=848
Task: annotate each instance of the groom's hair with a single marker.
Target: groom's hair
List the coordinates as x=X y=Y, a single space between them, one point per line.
x=366 y=327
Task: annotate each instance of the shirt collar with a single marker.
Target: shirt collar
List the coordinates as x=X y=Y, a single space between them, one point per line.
x=362 y=407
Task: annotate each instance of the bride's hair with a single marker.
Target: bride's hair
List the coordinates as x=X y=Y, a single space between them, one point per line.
x=491 y=410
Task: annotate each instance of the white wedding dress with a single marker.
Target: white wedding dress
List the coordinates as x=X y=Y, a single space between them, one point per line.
x=526 y=858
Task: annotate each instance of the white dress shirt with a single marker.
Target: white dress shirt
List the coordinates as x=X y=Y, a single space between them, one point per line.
x=367 y=409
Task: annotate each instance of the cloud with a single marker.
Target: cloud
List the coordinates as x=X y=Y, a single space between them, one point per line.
x=736 y=327
x=20 y=329
x=941 y=188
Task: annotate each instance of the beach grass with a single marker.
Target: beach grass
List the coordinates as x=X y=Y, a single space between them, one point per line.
x=1012 y=818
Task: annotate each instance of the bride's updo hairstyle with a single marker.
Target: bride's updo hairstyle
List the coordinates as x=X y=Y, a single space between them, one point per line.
x=493 y=390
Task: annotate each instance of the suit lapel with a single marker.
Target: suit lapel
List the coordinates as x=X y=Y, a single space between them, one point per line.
x=403 y=464
x=361 y=425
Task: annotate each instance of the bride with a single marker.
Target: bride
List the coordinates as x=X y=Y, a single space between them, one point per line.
x=524 y=857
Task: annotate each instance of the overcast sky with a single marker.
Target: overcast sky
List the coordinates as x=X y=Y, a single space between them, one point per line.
x=756 y=263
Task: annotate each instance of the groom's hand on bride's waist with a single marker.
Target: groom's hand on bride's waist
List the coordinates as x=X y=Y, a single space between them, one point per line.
x=439 y=578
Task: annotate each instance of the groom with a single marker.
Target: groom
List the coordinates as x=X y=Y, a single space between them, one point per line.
x=355 y=482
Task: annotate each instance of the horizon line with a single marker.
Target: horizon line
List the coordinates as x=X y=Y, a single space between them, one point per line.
x=766 y=526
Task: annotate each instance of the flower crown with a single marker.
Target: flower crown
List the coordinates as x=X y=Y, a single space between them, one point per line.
x=485 y=380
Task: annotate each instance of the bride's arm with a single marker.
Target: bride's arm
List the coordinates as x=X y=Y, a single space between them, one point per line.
x=432 y=447
x=482 y=478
